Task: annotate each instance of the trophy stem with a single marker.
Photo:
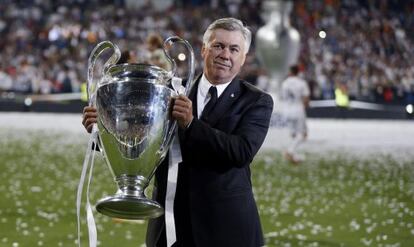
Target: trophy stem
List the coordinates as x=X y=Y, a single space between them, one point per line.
x=130 y=201
x=132 y=185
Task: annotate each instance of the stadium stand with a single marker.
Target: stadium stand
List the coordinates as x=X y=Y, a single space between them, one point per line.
x=368 y=46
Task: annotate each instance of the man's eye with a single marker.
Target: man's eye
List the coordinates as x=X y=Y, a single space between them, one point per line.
x=234 y=50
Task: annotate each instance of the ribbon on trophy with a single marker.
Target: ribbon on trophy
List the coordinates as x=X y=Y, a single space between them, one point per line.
x=93 y=141
x=174 y=159
x=87 y=165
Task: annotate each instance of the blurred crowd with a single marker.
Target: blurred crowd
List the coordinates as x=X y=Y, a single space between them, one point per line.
x=44 y=45
x=367 y=49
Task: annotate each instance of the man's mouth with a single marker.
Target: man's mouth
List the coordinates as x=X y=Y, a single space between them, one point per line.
x=221 y=64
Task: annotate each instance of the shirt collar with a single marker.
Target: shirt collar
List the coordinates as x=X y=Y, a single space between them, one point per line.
x=205 y=85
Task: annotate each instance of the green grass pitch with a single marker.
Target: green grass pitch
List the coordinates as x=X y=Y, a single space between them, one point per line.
x=330 y=200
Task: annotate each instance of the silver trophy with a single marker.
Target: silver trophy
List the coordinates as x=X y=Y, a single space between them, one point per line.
x=135 y=128
x=277 y=42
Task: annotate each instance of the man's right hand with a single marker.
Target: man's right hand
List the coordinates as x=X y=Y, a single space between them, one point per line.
x=89 y=117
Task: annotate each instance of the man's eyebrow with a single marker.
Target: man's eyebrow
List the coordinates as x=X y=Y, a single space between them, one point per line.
x=235 y=46
x=222 y=43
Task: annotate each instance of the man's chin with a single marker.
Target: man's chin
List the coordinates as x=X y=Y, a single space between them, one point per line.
x=221 y=78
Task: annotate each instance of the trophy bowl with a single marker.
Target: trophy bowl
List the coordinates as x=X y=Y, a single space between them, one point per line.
x=135 y=127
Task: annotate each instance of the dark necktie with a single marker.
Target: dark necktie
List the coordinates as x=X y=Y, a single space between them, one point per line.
x=211 y=103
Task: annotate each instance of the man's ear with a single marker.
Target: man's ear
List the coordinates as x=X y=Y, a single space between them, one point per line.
x=244 y=59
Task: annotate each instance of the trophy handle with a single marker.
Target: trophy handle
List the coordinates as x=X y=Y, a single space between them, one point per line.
x=191 y=64
x=96 y=52
x=169 y=42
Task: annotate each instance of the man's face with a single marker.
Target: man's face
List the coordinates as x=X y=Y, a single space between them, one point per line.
x=223 y=56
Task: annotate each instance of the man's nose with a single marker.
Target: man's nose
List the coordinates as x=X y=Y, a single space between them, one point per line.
x=225 y=53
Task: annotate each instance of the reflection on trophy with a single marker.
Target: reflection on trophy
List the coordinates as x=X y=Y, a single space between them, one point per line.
x=277 y=43
x=135 y=128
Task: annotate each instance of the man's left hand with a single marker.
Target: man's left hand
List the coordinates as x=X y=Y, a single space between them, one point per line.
x=183 y=111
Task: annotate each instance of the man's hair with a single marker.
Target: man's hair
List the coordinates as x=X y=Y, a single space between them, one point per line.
x=155 y=40
x=294 y=69
x=229 y=24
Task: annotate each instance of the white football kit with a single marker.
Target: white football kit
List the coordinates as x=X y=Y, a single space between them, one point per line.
x=293 y=90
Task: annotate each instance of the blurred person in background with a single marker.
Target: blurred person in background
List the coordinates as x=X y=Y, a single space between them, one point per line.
x=341 y=100
x=295 y=99
x=6 y=82
x=127 y=56
x=65 y=81
x=222 y=125
x=156 y=52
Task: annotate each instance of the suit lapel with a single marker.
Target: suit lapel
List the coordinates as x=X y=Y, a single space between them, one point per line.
x=225 y=101
x=193 y=95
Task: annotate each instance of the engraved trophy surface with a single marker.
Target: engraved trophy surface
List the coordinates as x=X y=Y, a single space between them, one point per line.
x=277 y=42
x=135 y=128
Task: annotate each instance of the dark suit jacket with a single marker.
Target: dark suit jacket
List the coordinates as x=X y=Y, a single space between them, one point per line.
x=214 y=203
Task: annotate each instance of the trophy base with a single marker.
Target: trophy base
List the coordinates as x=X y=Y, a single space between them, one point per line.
x=129 y=207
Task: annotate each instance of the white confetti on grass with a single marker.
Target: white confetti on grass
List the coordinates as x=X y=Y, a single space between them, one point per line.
x=293 y=202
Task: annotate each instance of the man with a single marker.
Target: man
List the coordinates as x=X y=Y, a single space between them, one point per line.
x=295 y=98
x=341 y=100
x=214 y=203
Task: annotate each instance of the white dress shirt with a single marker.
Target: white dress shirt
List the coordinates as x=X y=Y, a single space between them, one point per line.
x=202 y=93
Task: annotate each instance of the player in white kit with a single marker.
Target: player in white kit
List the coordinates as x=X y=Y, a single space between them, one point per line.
x=295 y=99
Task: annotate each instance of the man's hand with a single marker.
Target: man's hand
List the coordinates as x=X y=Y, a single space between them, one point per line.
x=89 y=117
x=183 y=111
